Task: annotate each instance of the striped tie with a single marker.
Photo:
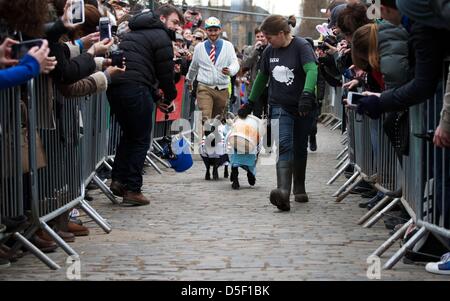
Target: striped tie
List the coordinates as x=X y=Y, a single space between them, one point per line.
x=212 y=54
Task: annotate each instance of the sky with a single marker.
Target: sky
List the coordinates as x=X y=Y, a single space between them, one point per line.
x=282 y=7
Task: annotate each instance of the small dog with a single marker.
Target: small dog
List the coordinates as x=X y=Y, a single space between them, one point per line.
x=213 y=151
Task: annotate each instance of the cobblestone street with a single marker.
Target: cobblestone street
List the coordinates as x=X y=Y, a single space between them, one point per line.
x=199 y=230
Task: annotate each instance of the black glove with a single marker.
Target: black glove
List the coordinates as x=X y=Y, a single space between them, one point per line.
x=245 y=110
x=307 y=102
x=370 y=105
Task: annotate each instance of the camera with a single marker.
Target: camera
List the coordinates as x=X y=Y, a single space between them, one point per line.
x=117 y=58
x=354 y=98
x=76 y=12
x=18 y=51
x=105 y=28
x=331 y=40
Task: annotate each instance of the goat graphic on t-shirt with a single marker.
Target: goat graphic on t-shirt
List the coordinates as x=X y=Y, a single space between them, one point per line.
x=283 y=74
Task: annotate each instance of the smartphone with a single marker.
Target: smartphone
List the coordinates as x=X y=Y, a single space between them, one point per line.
x=76 y=12
x=353 y=98
x=117 y=58
x=104 y=26
x=18 y=51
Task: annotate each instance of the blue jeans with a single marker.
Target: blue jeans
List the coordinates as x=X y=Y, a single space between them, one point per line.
x=293 y=134
x=133 y=106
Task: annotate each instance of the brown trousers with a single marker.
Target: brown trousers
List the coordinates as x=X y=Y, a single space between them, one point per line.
x=211 y=102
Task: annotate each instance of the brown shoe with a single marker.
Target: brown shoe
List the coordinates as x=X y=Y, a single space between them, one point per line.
x=66 y=236
x=44 y=245
x=117 y=188
x=135 y=198
x=77 y=230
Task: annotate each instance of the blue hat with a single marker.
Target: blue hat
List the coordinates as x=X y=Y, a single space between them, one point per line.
x=212 y=22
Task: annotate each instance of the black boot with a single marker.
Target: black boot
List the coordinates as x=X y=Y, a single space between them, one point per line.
x=312 y=143
x=225 y=172
x=299 y=171
x=280 y=196
x=234 y=178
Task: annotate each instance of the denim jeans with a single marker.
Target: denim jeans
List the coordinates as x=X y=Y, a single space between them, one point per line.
x=293 y=134
x=132 y=104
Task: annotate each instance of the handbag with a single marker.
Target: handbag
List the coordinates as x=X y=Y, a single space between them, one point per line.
x=41 y=159
x=396 y=127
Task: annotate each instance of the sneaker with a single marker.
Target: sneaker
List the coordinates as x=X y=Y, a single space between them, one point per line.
x=442 y=267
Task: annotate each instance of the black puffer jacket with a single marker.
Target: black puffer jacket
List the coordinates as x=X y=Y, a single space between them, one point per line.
x=430 y=46
x=149 y=55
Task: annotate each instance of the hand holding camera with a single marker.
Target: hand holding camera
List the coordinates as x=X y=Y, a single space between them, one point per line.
x=166 y=106
x=36 y=48
x=5 y=53
x=90 y=40
x=101 y=47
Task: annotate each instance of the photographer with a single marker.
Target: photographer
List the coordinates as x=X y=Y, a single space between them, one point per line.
x=253 y=64
x=149 y=55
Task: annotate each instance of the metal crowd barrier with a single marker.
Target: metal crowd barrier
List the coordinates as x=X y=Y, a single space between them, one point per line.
x=333 y=109
x=430 y=166
x=11 y=180
x=420 y=182
x=66 y=142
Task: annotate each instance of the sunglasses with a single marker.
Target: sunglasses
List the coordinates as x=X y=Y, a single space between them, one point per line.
x=199 y=38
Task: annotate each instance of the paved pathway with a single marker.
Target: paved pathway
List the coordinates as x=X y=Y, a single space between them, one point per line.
x=198 y=230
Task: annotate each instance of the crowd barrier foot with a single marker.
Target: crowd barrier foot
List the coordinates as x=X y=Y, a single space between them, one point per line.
x=35 y=251
x=339 y=173
x=388 y=243
x=342 y=161
x=157 y=146
x=59 y=241
x=330 y=122
x=400 y=253
x=327 y=119
x=345 y=150
x=380 y=214
x=338 y=125
x=106 y=164
x=158 y=159
x=342 y=194
x=153 y=164
x=93 y=214
x=105 y=189
x=374 y=210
